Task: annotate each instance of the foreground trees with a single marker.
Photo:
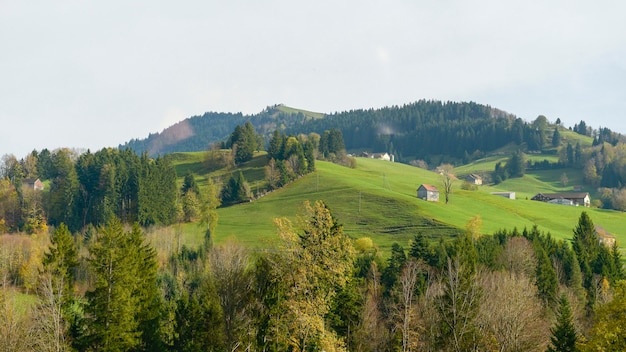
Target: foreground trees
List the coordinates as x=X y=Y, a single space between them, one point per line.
x=319 y=290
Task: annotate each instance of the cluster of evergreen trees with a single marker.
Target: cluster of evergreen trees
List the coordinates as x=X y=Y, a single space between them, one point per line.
x=88 y=189
x=290 y=157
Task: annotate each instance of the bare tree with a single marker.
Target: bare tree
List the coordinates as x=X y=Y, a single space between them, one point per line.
x=511 y=312
x=408 y=279
x=48 y=333
x=518 y=257
x=447 y=179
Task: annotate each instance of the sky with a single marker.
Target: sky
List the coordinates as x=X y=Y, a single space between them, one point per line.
x=95 y=74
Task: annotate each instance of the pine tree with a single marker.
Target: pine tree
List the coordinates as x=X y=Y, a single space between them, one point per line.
x=420 y=248
x=145 y=289
x=123 y=309
x=111 y=308
x=564 y=334
x=585 y=244
x=556 y=137
x=546 y=279
x=236 y=190
x=60 y=261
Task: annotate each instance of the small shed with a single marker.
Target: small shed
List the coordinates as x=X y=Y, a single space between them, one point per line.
x=428 y=192
x=474 y=179
x=509 y=195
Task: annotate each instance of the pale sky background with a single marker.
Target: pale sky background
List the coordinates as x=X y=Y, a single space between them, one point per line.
x=92 y=74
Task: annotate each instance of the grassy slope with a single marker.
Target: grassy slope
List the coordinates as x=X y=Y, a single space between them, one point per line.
x=289 y=110
x=378 y=200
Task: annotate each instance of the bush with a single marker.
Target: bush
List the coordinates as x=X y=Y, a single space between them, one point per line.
x=468 y=186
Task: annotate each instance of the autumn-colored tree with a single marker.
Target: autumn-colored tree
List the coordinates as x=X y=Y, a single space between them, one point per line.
x=318 y=261
x=608 y=332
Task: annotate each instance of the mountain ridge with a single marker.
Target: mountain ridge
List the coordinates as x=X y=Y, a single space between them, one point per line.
x=197 y=133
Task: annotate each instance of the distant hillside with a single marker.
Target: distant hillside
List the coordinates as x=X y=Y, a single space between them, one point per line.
x=414 y=130
x=378 y=200
x=198 y=132
x=434 y=131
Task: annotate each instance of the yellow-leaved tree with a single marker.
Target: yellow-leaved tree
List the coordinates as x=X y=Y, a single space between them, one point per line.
x=317 y=261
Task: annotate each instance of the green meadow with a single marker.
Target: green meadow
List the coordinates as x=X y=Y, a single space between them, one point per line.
x=379 y=200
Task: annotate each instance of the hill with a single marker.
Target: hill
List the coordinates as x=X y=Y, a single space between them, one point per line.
x=378 y=200
x=197 y=133
x=411 y=131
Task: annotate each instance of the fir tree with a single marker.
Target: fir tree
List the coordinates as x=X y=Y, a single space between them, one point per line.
x=111 y=308
x=546 y=279
x=564 y=334
x=556 y=137
x=420 y=248
x=123 y=309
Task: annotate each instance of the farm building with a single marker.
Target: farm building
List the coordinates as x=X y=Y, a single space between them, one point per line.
x=428 y=192
x=604 y=237
x=474 y=179
x=509 y=195
x=379 y=156
x=576 y=198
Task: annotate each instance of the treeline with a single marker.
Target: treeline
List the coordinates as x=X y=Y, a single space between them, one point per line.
x=320 y=290
x=87 y=189
x=433 y=131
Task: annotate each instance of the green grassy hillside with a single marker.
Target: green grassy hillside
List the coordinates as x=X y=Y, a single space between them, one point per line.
x=378 y=200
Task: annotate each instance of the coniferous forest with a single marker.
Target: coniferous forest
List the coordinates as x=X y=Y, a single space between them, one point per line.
x=88 y=271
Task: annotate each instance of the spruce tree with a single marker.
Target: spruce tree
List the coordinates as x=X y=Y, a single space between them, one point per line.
x=556 y=137
x=60 y=262
x=564 y=334
x=145 y=289
x=420 y=248
x=111 y=308
x=123 y=309
x=546 y=279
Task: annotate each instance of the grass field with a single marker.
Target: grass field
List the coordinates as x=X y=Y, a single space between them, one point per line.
x=378 y=200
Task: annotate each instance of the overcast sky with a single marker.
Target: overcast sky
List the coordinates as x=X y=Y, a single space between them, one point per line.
x=92 y=74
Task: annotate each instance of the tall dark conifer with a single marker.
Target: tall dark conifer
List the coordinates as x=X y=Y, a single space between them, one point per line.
x=564 y=334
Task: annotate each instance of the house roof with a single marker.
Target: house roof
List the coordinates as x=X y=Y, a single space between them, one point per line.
x=30 y=181
x=570 y=195
x=474 y=176
x=428 y=187
x=603 y=233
